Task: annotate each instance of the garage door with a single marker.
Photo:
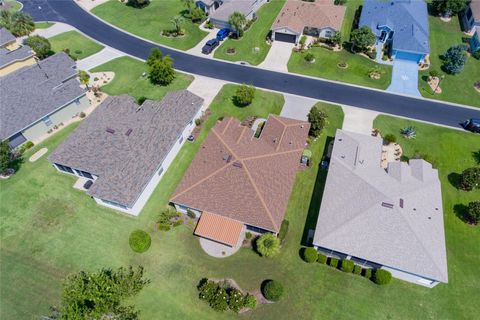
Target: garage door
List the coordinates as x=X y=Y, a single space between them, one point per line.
x=16 y=140
x=285 y=37
x=408 y=56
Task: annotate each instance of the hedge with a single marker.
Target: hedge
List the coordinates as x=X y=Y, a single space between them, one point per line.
x=381 y=276
x=347 y=266
x=333 y=262
x=367 y=273
x=310 y=255
x=357 y=269
x=322 y=258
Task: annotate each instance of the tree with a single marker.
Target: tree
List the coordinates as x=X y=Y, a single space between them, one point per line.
x=6 y=19
x=237 y=20
x=362 y=38
x=155 y=54
x=470 y=179
x=160 y=68
x=336 y=39
x=272 y=290
x=40 y=45
x=138 y=3
x=244 y=95
x=473 y=211
x=447 y=8
x=84 y=77
x=268 y=245
x=454 y=59
x=197 y=15
x=6 y=156
x=189 y=4
x=101 y=294
x=21 y=24
x=177 y=22
x=317 y=119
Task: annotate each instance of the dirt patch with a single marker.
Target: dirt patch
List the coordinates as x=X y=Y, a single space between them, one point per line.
x=434 y=83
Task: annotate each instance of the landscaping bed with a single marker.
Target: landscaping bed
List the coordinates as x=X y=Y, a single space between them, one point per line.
x=78 y=45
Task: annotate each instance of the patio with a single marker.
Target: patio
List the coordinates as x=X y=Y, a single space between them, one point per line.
x=220 y=250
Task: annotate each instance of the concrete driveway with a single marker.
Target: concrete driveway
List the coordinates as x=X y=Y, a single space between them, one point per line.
x=99 y=58
x=297 y=107
x=405 y=78
x=197 y=50
x=277 y=57
x=206 y=88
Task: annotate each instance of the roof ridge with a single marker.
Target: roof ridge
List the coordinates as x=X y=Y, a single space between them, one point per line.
x=272 y=154
x=226 y=127
x=224 y=143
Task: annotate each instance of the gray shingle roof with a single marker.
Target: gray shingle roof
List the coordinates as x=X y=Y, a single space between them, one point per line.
x=126 y=163
x=352 y=220
x=33 y=92
x=407 y=18
x=228 y=8
x=5 y=37
x=8 y=57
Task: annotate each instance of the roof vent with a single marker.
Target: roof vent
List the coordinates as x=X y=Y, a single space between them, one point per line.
x=110 y=130
x=128 y=132
x=237 y=164
x=227 y=157
x=401 y=203
x=387 y=205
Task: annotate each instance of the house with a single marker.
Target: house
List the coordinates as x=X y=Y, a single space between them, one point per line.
x=238 y=181
x=209 y=6
x=248 y=8
x=475 y=40
x=401 y=27
x=125 y=149
x=470 y=16
x=37 y=99
x=383 y=218
x=13 y=56
x=318 y=19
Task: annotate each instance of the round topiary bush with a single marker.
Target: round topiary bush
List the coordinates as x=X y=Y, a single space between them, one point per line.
x=139 y=241
x=250 y=302
x=310 y=255
x=470 y=179
x=322 y=258
x=272 y=290
x=347 y=266
x=268 y=245
x=381 y=276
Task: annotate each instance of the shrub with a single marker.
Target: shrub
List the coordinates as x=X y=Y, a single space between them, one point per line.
x=198 y=121
x=6 y=155
x=40 y=45
x=272 y=290
x=197 y=15
x=309 y=57
x=248 y=235
x=139 y=241
x=367 y=273
x=310 y=255
x=347 y=266
x=141 y=100
x=381 y=276
x=163 y=226
x=357 y=269
x=390 y=138
x=268 y=245
x=322 y=258
x=454 y=59
x=470 y=179
x=317 y=119
x=177 y=223
x=24 y=147
x=235 y=300
x=209 y=25
x=138 y=3
x=372 y=54
x=473 y=211
x=333 y=262
x=303 y=40
x=283 y=230
x=244 y=95
x=95 y=79
x=434 y=73
x=339 y=2
x=250 y=301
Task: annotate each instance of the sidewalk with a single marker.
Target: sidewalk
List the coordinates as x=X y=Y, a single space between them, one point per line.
x=99 y=58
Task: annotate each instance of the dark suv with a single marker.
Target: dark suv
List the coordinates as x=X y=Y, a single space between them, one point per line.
x=472 y=125
x=209 y=46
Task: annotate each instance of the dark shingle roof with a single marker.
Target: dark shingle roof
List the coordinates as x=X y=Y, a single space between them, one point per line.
x=407 y=18
x=5 y=37
x=125 y=163
x=31 y=93
x=8 y=57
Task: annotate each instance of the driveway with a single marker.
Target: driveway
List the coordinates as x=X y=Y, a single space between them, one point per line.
x=197 y=50
x=358 y=120
x=277 y=57
x=206 y=88
x=98 y=58
x=405 y=78
x=297 y=107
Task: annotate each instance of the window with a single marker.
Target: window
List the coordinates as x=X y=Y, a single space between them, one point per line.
x=47 y=121
x=64 y=168
x=256 y=229
x=114 y=204
x=84 y=174
x=160 y=171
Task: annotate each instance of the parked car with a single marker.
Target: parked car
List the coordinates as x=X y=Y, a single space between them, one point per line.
x=191 y=138
x=222 y=34
x=472 y=125
x=210 y=45
x=87 y=184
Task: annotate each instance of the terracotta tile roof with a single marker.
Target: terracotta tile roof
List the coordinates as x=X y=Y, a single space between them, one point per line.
x=296 y=15
x=218 y=228
x=244 y=178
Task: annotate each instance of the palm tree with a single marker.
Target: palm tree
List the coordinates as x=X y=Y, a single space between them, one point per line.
x=189 y=4
x=237 y=20
x=5 y=19
x=177 y=23
x=22 y=24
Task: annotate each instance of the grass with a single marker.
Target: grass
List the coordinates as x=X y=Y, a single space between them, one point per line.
x=79 y=45
x=255 y=37
x=326 y=66
x=13 y=6
x=352 y=6
x=129 y=80
x=43 y=25
x=456 y=88
x=149 y=22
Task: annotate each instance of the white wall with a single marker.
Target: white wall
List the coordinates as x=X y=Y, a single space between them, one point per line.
x=412 y=278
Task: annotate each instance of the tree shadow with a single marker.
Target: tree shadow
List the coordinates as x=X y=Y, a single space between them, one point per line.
x=461 y=211
x=455 y=179
x=16 y=163
x=476 y=156
x=316 y=197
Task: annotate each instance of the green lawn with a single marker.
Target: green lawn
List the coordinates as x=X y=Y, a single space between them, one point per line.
x=43 y=25
x=13 y=6
x=456 y=88
x=79 y=45
x=254 y=37
x=352 y=6
x=149 y=22
x=325 y=66
x=129 y=80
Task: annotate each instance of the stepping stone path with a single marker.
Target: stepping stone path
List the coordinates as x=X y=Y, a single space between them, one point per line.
x=37 y=155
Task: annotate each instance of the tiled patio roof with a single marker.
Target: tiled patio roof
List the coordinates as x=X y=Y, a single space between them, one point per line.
x=218 y=228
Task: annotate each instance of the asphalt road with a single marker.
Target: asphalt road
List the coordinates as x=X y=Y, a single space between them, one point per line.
x=426 y=110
